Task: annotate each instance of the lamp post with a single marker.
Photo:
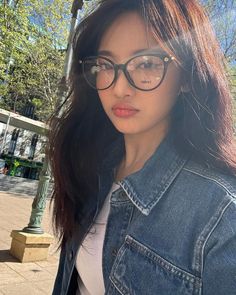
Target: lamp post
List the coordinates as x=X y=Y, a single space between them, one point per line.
x=63 y=87
x=39 y=202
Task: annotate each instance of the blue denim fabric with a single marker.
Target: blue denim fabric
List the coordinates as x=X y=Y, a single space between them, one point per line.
x=171 y=230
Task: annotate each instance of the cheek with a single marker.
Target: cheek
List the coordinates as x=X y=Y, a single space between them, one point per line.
x=167 y=94
x=162 y=102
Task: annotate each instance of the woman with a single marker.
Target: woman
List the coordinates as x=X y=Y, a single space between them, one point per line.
x=143 y=156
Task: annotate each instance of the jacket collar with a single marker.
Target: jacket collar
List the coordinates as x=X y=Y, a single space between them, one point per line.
x=146 y=187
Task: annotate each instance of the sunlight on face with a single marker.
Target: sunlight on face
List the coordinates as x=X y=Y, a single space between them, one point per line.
x=133 y=111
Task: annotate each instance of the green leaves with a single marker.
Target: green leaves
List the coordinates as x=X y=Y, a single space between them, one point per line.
x=33 y=38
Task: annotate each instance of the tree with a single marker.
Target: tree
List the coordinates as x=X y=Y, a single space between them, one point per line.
x=14 y=37
x=223 y=15
x=32 y=49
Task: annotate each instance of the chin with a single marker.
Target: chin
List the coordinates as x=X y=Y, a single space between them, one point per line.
x=127 y=130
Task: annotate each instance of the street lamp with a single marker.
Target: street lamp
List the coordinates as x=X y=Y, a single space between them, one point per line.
x=39 y=202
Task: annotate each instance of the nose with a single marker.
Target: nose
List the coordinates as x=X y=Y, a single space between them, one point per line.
x=121 y=86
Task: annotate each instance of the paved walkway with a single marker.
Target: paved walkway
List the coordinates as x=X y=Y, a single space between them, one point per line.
x=23 y=278
x=19 y=185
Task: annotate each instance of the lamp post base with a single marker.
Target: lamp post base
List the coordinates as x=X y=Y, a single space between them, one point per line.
x=33 y=230
x=29 y=247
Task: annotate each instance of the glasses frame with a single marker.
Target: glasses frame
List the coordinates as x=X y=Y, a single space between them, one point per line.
x=123 y=67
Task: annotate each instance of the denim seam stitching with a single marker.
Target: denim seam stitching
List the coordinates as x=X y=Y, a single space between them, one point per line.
x=168 y=266
x=218 y=180
x=198 y=260
x=176 y=271
x=119 y=289
x=165 y=185
x=112 y=277
x=129 y=194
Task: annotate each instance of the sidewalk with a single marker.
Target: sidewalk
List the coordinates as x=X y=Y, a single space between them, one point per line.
x=19 y=185
x=23 y=278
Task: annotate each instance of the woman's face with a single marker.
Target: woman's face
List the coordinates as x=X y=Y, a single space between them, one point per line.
x=134 y=111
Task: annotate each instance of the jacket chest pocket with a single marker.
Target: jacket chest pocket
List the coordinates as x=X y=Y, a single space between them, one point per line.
x=138 y=270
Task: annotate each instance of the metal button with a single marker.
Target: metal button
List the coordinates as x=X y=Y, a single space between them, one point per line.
x=122 y=195
x=114 y=252
x=71 y=255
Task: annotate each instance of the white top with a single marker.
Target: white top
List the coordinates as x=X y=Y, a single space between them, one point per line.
x=89 y=255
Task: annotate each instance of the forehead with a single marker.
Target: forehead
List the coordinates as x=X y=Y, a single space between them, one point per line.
x=127 y=35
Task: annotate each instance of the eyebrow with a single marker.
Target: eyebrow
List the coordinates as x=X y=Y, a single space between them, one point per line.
x=143 y=50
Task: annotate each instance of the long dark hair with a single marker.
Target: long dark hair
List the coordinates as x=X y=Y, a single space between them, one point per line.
x=202 y=119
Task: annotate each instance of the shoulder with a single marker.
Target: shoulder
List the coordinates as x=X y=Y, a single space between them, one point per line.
x=215 y=246
x=211 y=178
x=214 y=249
x=207 y=195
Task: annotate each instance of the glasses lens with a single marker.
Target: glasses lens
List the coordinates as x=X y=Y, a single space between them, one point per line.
x=146 y=71
x=99 y=72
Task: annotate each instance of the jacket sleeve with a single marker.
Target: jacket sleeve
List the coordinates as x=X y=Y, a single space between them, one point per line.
x=219 y=264
x=58 y=281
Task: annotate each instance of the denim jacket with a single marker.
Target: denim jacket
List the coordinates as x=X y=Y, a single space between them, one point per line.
x=171 y=230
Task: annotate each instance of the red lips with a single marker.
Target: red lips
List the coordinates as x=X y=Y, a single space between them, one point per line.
x=123 y=110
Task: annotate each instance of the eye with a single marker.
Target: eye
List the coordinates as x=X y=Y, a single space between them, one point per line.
x=98 y=66
x=149 y=65
x=95 y=69
x=104 y=65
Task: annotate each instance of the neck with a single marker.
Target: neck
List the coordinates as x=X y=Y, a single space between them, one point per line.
x=138 y=149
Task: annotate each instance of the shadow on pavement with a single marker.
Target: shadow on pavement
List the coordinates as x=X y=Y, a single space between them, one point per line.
x=5 y=256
